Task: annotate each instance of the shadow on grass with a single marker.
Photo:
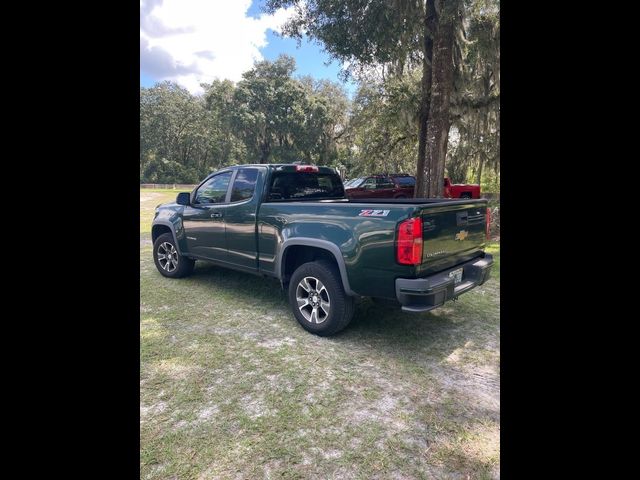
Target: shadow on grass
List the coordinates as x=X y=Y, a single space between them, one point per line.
x=382 y=328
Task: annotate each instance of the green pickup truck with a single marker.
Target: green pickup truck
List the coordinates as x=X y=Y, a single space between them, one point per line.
x=294 y=223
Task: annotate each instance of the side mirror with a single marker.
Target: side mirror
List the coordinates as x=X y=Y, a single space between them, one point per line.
x=184 y=198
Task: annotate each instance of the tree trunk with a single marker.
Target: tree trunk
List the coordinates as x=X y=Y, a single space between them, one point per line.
x=265 y=151
x=423 y=117
x=441 y=88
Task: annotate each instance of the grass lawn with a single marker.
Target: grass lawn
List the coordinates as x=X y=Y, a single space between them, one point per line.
x=232 y=387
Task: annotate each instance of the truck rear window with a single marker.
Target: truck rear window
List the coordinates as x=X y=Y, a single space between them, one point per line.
x=305 y=186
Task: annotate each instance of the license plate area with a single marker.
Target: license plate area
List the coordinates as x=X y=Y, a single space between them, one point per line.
x=456 y=275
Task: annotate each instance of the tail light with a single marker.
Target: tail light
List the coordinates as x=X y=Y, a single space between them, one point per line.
x=306 y=168
x=409 y=245
x=488 y=221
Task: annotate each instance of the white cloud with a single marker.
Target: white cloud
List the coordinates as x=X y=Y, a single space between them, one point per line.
x=194 y=41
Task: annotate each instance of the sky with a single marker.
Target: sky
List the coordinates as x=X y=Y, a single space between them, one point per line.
x=195 y=41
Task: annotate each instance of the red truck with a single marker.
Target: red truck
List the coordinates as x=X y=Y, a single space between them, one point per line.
x=460 y=190
x=402 y=186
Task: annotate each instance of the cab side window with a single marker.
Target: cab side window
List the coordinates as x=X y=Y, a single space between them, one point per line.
x=384 y=182
x=369 y=183
x=213 y=190
x=244 y=184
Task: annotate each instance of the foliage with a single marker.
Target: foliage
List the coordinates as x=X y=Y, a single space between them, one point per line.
x=268 y=111
x=180 y=141
x=400 y=40
x=267 y=117
x=362 y=33
x=273 y=116
x=384 y=126
x=475 y=146
x=169 y=171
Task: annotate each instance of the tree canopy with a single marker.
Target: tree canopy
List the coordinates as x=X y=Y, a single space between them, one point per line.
x=427 y=102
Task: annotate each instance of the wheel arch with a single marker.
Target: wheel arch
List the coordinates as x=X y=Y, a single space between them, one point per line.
x=158 y=228
x=329 y=250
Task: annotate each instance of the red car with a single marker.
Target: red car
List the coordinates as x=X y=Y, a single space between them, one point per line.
x=381 y=186
x=402 y=186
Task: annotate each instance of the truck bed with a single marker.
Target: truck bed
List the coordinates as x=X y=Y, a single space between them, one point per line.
x=366 y=231
x=416 y=201
x=391 y=201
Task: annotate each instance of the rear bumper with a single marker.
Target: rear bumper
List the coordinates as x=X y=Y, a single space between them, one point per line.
x=424 y=294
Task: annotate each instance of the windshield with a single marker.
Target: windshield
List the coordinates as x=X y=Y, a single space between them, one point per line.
x=305 y=186
x=354 y=182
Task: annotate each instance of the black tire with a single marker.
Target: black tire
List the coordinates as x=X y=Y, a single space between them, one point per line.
x=465 y=195
x=401 y=196
x=178 y=266
x=340 y=305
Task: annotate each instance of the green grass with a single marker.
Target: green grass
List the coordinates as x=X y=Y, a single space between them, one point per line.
x=232 y=387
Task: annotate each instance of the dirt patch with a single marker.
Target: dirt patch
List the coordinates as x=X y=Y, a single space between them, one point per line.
x=154 y=409
x=255 y=407
x=208 y=412
x=276 y=343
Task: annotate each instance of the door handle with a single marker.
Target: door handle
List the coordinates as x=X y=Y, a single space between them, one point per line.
x=216 y=215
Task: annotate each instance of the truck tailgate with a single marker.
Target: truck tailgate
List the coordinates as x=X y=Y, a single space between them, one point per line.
x=452 y=234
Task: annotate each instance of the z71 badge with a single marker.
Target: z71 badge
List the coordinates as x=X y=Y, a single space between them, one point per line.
x=373 y=213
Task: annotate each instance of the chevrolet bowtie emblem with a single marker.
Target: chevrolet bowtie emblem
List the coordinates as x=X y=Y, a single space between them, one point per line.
x=461 y=235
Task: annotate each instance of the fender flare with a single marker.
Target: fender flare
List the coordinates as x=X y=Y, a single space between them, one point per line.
x=173 y=231
x=323 y=244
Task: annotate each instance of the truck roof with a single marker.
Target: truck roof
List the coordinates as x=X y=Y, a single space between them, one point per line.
x=284 y=167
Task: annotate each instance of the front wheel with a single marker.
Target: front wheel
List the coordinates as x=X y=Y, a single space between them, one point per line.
x=167 y=259
x=465 y=195
x=318 y=299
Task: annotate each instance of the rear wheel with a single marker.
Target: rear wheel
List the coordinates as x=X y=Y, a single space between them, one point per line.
x=318 y=299
x=167 y=259
x=465 y=195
